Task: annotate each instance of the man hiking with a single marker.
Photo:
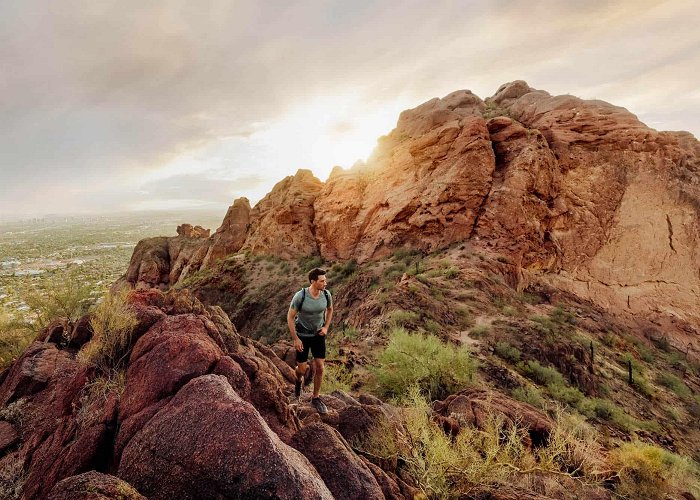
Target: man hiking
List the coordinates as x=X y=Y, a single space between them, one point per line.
x=308 y=319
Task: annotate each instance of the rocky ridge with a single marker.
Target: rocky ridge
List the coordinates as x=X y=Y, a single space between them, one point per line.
x=577 y=194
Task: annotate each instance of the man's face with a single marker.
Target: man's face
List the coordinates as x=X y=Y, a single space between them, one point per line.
x=321 y=282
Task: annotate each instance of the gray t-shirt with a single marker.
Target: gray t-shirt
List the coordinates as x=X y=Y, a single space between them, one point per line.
x=313 y=313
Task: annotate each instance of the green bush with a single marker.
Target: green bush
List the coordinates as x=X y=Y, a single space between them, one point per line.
x=309 y=262
x=565 y=394
x=675 y=384
x=508 y=352
x=438 y=369
x=399 y=317
x=15 y=337
x=542 y=375
x=650 y=472
x=395 y=270
x=530 y=395
x=479 y=331
x=71 y=300
x=344 y=270
x=451 y=272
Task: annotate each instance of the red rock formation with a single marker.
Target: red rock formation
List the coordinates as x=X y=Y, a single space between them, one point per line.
x=579 y=194
x=188 y=231
x=282 y=223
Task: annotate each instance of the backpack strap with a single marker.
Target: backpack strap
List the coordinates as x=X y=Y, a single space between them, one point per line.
x=303 y=297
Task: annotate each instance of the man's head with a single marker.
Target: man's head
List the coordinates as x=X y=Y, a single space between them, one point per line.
x=317 y=277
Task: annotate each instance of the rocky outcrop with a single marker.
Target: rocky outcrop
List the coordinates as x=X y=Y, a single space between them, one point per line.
x=282 y=223
x=187 y=231
x=575 y=193
x=207 y=442
x=199 y=412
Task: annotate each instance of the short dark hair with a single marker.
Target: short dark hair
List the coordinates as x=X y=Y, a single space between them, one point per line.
x=315 y=273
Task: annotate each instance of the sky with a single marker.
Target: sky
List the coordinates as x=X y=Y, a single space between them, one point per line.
x=139 y=105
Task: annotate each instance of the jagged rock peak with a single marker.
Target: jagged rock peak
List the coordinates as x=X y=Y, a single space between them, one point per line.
x=237 y=217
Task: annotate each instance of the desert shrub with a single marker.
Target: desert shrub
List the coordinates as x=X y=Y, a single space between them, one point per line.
x=609 y=339
x=572 y=447
x=530 y=395
x=561 y=315
x=432 y=326
x=508 y=352
x=509 y=311
x=395 y=270
x=95 y=394
x=15 y=336
x=437 y=368
x=337 y=377
x=112 y=324
x=675 y=384
x=662 y=343
x=673 y=414
x=493 y=455
x=565 y=394
x=451 y=272
x=308 y=262
x=642 y=386
x=344 y=270
x=479 y=331
x=464 y=316
x=71 y=300
x=406 y=254
x=650 y=472
x=400 y=317
x=542 y=375
x=380 y=441
x=607 y=410
x=530 y=298
x=18 y=413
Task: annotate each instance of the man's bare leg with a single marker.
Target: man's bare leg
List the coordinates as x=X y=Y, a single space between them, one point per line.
x=318 y=375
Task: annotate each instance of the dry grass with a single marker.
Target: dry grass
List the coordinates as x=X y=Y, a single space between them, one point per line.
x=336 y=377
x=650 y=472
x=445 y=467
x=95 y=395
x=112 y=323
x=12 y=477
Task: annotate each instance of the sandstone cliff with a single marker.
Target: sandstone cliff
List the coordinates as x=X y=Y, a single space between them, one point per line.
x=579 y=194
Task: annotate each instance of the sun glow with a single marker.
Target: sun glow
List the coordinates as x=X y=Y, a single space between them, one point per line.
x=329 y=131
x=317 y=134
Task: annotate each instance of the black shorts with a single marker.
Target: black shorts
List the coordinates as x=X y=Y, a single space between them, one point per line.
x=317 y=345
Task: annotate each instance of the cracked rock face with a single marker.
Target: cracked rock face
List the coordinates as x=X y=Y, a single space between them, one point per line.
x=577 y=193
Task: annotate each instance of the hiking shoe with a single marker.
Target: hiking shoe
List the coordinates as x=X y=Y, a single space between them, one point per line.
x=319 y=405
x=298 y=388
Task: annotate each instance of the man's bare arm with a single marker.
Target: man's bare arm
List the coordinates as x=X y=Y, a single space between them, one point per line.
x=292 y=329
x=329 y=317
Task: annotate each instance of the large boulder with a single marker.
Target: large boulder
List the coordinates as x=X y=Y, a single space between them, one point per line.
x=345 y=474
x=207 y=442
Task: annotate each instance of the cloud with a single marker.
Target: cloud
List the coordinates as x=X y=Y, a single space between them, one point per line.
x=101 y=97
